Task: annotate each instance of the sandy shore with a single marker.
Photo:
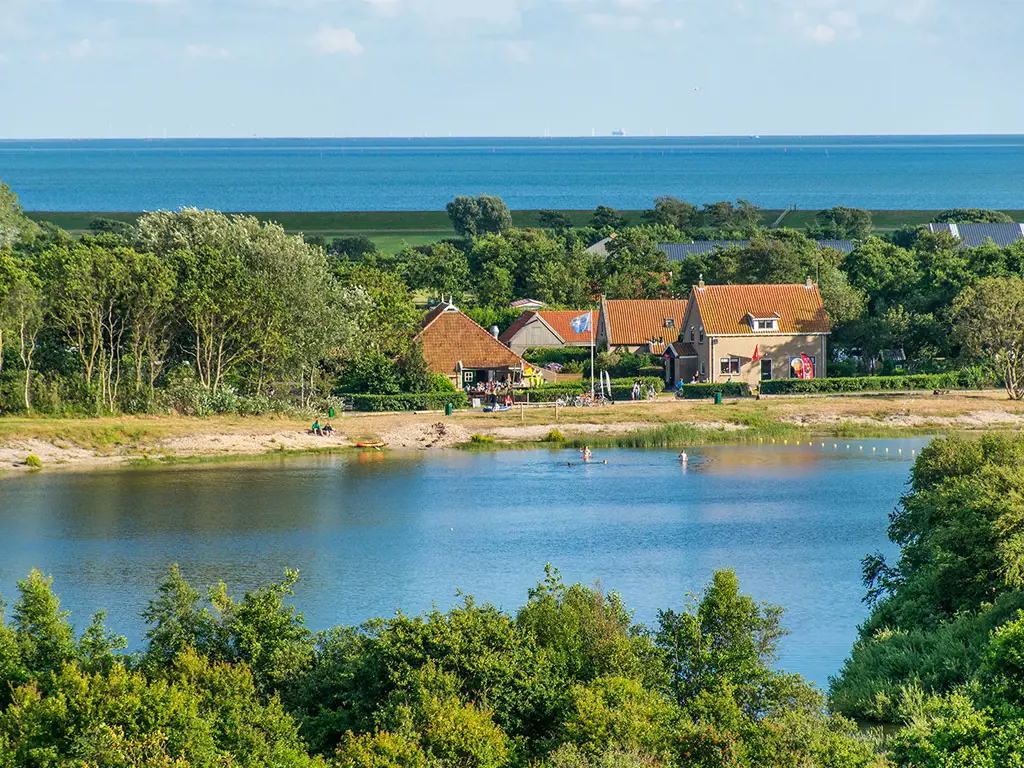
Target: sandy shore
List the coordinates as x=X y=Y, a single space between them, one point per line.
x=108 y=442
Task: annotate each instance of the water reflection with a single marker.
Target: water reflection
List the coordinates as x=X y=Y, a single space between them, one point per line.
x=377 y=531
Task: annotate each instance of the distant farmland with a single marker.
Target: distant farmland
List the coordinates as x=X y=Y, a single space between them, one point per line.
x=392 y=230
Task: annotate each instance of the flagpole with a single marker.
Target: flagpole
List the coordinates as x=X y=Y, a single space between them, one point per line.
x=591 y=358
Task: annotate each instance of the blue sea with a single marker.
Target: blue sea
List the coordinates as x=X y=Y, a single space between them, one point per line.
x=879 y=172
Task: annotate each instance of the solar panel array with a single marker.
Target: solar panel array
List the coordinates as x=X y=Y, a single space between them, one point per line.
x=682 y=251
x=973 y=235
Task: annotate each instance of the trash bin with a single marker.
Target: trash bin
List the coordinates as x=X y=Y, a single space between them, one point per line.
x=448 y=409
x=330 y=412
x=718 y=398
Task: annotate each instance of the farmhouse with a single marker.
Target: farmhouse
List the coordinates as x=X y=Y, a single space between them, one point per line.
x=464 y=352
x=548 y=328
x=639 y=325
x=750 y=333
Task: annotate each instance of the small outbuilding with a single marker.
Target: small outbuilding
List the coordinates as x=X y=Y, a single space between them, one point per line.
x=548 y=329
x=453 y=344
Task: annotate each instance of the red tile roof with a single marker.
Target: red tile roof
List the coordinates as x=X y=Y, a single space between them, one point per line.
x=448 y=337
x=637 y=321
x=727 y=309
x=560 y=321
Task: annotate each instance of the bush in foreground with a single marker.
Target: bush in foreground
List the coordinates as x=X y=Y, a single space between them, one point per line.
x=568 y=681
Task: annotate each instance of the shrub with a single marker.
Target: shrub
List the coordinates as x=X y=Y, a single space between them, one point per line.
x=441 y=383
x=554 y=436
x=33 y=461
x=727 y=388
x=431 y=401
x=561 y=355
x=971 y=378
x=481 y=439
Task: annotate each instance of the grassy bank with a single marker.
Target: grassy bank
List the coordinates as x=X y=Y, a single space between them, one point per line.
x=665 y=423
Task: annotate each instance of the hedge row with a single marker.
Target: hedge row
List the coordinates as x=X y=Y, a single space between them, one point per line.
x=622 y=389
x=727 y=388
x=967 y=379
x=431 y=401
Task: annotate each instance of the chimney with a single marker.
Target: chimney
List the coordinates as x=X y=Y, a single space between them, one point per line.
x=700 y=281
x=808 y=283
x=494 y=331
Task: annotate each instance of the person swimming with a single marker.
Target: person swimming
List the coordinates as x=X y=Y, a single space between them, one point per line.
x=683 y=457
x=586 y=453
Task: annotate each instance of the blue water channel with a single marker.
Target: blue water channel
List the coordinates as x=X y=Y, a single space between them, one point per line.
x=376 y=532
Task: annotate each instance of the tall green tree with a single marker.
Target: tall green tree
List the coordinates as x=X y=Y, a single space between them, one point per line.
x=989 y=323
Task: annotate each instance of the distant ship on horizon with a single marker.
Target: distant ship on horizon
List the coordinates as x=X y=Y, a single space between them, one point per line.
x=618 y=132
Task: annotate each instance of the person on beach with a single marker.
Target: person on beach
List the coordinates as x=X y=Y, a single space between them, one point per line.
x=328 y=430
x=317 y=429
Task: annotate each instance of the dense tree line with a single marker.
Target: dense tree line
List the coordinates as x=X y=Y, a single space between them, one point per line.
x=568 y=681
x=200 y=312
x=942 y=651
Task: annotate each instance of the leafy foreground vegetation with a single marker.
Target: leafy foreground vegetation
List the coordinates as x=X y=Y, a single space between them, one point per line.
x=942 y=653
x=567 y=682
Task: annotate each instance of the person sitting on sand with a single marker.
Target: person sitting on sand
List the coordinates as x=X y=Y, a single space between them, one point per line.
x=328 y=430
x=317 y=429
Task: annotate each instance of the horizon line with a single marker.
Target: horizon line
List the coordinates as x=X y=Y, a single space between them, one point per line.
x=750 y=136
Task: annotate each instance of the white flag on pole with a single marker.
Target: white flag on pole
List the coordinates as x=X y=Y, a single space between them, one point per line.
x=582 y=323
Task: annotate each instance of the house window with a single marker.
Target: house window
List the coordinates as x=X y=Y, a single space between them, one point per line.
x=702 y=334
x=693 y=334
x=766 y=369
x=766 y=324
x=670 y=322
x=703 y=369
x=730 y=366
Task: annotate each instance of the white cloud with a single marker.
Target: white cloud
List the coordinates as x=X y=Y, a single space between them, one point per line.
x=205 y=52
x=81 y=49
x=822 y=33
x=519 y=51
x=336 y=40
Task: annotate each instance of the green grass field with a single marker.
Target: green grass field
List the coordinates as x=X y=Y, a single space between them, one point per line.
x=393 y=230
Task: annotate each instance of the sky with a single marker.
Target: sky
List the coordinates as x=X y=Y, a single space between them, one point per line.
x=240 y=68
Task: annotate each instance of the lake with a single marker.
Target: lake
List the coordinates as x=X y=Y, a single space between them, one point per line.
x=875 y=172
x=379 y=531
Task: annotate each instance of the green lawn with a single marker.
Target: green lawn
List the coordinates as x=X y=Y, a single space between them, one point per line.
x=392 y=230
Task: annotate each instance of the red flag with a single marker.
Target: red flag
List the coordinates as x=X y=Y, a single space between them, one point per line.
x=807 y=371
x=757 y=353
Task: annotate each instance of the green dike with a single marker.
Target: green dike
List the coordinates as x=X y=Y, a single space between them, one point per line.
x=394 y=230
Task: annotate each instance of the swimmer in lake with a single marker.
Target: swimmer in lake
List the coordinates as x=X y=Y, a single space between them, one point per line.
x=586 y=453
x=683 y=457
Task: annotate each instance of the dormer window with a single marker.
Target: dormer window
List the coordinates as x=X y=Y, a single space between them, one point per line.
x=670 y=322
x=763 y=324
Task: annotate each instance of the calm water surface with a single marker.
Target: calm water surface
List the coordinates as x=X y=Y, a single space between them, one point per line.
x=894 y=172
x=380 y=532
